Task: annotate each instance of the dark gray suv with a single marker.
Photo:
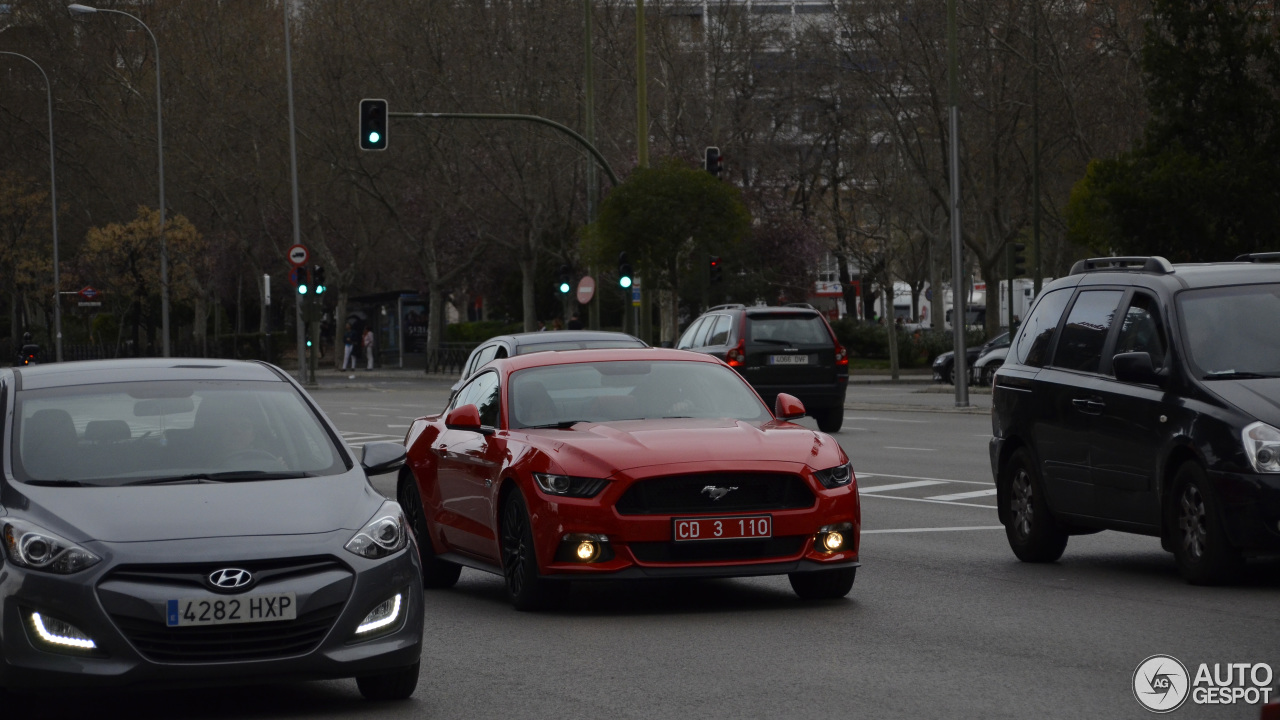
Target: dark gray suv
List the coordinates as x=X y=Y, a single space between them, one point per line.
x=789 y=349
x=1145 y=397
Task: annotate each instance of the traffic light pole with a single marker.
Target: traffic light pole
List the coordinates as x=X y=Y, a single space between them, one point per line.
x=613 y=177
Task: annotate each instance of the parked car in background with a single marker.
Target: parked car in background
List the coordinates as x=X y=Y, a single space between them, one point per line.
x=196 y=522
x=789 y=349
x=984 y=368
x=1144 y=397
x=524 y=343
x=943 y=364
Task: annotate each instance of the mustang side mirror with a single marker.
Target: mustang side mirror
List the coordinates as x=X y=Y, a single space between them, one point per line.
x=465 y=417
x=1135 y=367
x=381 y=457
x=788 y=407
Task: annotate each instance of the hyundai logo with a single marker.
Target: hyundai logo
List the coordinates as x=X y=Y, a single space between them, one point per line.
x=716 y=492
x=230 y=578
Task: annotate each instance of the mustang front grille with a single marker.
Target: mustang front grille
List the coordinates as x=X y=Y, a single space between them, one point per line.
x=715 y=493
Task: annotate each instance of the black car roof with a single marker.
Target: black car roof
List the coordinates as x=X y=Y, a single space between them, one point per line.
x=91 y=372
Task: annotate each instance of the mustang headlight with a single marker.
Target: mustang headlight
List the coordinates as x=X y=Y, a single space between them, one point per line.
x=384 y=535
x=1262 y=445
x=569 y=486
x=31 y=546
x=835 y=477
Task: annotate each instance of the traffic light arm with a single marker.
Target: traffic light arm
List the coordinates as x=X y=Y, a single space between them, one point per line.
x=613 y=177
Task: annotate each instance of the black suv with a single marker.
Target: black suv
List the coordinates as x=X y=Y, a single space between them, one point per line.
x=789 y=349
x=1145 y=397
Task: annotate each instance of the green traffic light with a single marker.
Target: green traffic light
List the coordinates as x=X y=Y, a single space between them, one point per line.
x=302 y=289
x=624 y=281
x=320 y=289
x=564 y=287
x=374 y=138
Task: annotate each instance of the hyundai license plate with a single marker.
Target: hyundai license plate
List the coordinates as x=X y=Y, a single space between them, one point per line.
x=737 y=527
x=231 y=610
x=788 y=359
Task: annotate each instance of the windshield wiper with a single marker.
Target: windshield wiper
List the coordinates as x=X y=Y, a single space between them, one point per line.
x=221 y=477
x=194 y=478
x=56 y=483
x=562 y=425
x=1238 y=375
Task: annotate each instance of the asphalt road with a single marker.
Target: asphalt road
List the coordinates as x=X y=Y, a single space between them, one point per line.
x=943 y=621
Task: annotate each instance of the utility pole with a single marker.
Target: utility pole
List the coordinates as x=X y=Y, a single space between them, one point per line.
x=1035 y=145
x=589 y=121
x=642 y=92
x=959 y=317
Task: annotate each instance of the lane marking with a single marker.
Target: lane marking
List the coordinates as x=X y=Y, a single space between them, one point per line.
x=880 y=419
x=935 y=529
x=913 y=477
x=898 y=486
x=895 y=447
x=935 y=502
x=965 y=495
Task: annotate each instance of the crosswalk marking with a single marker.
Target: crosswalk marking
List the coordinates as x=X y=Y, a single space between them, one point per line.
x=965 y=495
x=898 y=486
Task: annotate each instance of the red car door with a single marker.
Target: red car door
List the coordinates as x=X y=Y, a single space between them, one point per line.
x=467 y=470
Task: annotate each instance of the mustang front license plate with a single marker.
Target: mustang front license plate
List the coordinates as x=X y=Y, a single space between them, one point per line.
x=232 y=610
x=737 y=527
x=788 y=359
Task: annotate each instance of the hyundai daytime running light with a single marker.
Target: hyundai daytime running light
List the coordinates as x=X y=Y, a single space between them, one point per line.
x=387 y=612
x=60 y=633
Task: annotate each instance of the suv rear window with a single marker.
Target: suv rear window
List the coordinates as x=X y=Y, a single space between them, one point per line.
x=793 y=329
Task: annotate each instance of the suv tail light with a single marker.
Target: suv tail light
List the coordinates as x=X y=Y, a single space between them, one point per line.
x=737 y=354
x=842 y=357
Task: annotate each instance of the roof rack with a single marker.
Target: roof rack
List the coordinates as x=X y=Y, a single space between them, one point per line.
x=1153 y=264
x=727 y=306
x=1259 y=257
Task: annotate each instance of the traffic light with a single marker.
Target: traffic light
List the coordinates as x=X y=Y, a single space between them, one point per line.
x=717 y=270
x=317 y=279
x=714 y=162
x=373 y=124
x=624 y=271
x=1018 y=259
x=304 y=280
x=566 y=282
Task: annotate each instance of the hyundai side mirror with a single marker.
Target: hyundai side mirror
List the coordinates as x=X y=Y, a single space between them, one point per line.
x=788 y=407
x=381 y=457
x=466 y=417
x=1135 y=367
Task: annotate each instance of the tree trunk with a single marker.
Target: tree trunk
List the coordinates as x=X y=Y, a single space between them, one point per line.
x=526 y=294
x=890 y=321
x=339 y=330
x=435 y=326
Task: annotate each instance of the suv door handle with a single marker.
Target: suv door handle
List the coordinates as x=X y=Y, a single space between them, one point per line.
x=1089 y=406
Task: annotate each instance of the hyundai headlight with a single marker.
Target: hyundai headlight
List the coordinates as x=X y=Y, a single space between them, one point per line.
x=835 y=477
x=386 y=534
x=1262 y=445
x=31 y=546
x=567 y=486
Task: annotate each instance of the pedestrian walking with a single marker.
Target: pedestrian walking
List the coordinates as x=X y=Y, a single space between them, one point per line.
x=350 y=343
x=368 y=347
x=575 y=322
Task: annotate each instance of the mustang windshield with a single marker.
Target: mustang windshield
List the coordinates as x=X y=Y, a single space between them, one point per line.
x=136 y=433
x=1230 y=331
x=560 y=395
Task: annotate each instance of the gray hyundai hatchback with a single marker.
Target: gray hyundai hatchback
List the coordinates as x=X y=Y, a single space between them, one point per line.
x=196 y=522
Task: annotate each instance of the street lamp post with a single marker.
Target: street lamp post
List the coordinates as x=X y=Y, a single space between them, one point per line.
x=53 y=200
x=77 y=9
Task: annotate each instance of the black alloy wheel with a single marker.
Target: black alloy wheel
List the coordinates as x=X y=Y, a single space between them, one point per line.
x=396 y=684
x=823 y=584
x=989 y=373
x=1200 y=547
x=831 y=419
x=437 y=574
x=526 y=589
x=1033 y=534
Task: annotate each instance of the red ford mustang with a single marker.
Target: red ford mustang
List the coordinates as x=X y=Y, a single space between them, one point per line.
x=642 y=463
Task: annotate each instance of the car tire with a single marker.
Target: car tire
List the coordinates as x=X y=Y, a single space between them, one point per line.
x=1200 y=546
x=1033 y=534
x=823 y=584
x=525 y=588
x=437 y=574
x=397 y=684
x=949 y=374
x=989 y=373
x=831 y=419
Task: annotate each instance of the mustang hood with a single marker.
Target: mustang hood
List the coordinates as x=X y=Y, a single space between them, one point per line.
x=1259 y=398
x=602 y=449
x=179 y=512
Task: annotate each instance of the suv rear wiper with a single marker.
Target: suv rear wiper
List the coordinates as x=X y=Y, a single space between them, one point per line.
x=1238 y=375
x=562 y=425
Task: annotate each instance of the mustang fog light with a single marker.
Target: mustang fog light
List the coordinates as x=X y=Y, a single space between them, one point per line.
x=381 y=617
x=831 y=538
x=60 y=633
x=584 y=548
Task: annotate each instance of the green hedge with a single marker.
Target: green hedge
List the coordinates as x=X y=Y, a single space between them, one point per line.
x=477 y=332
x=915 y=349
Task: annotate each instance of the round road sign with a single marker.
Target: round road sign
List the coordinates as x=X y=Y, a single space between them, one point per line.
x=298 y=254
x=586 y=289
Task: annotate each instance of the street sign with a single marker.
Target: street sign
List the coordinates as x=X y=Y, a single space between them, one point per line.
x=84 y=303
x=298 y=255
x=293 y=275
x=88 y=293
x=586 y=289
x=635 y=296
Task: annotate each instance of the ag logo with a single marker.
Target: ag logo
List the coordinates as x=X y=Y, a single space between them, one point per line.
x=1161 y=683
